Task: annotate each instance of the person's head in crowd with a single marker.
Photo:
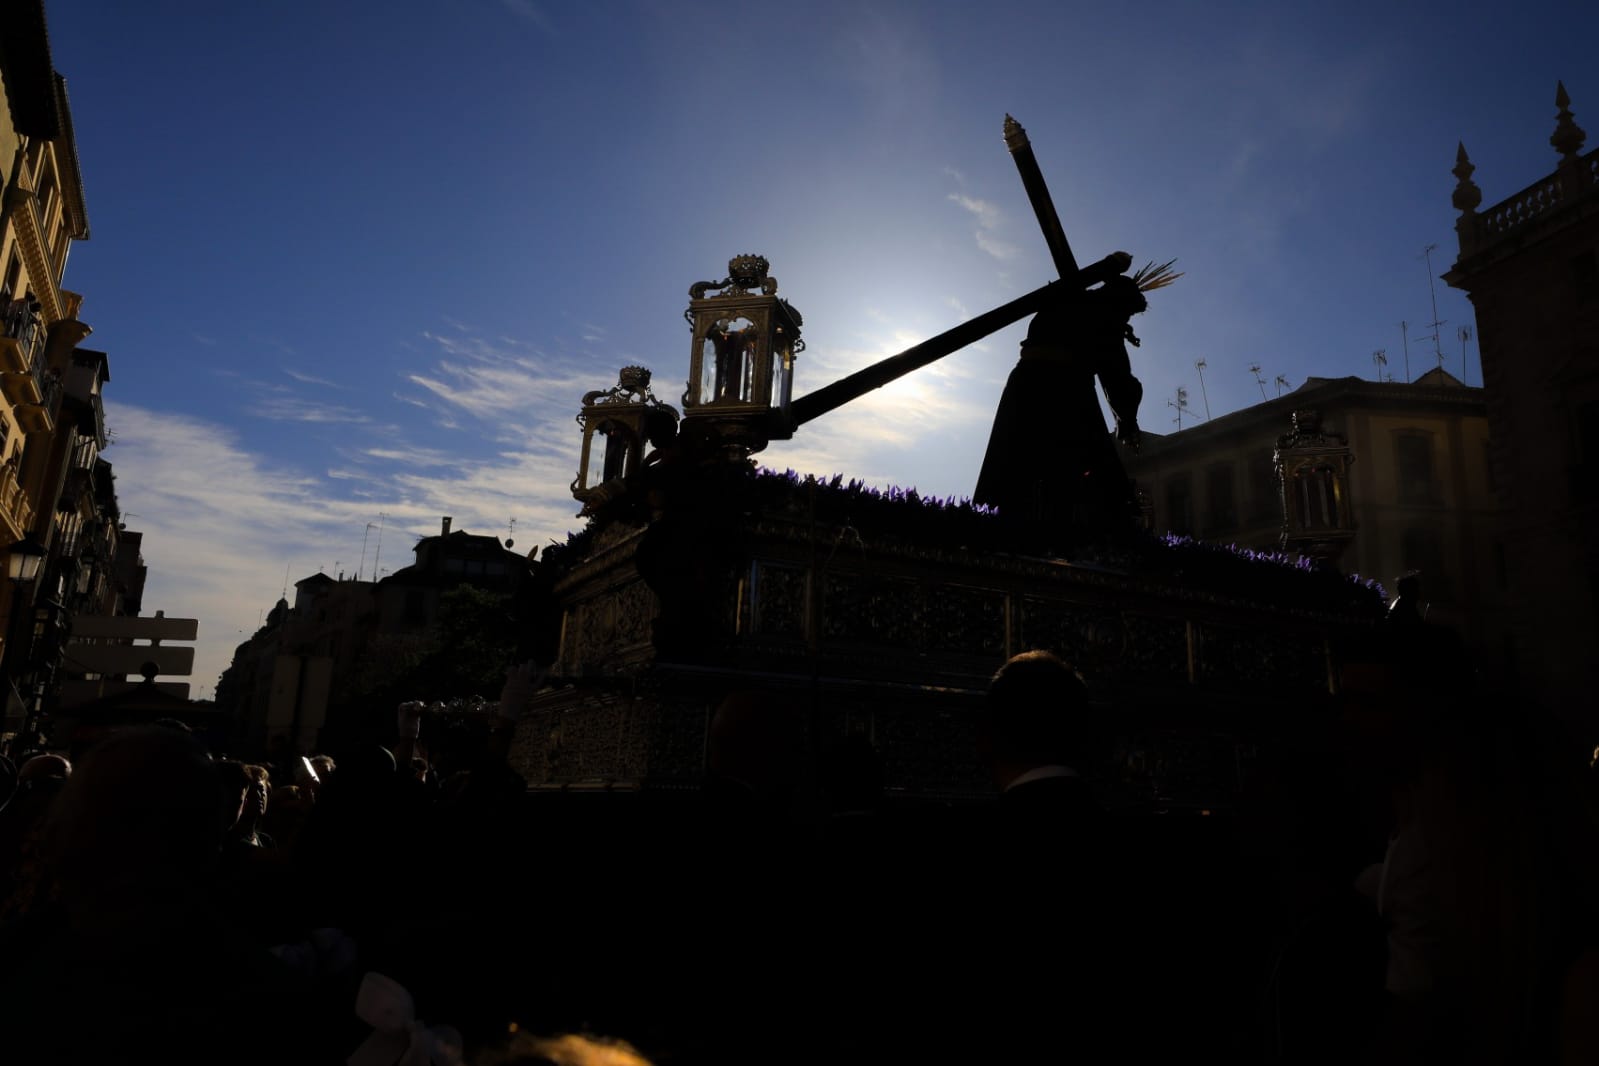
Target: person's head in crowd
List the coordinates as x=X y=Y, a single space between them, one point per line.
x=569 y=1050
x=43 y=766
x=261 y=786
x=324 y=766
x=172 y=723
x=233 y=791
x=756 y=742
x=286 y=797
x=1406 y=605
x=1403 y=692
x=138 y=819
x=1037 y=714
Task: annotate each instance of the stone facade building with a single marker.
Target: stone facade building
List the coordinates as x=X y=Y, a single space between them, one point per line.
x=284 y=679
x=1421 y=490
x=1530 y=265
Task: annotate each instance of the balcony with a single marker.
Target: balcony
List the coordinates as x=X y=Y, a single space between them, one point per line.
x=21 y=332
x=16 y=513
x=36 y=416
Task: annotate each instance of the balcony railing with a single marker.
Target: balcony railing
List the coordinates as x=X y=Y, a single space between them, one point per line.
x=1543 y=196
x=38 y=415
x=21 y=333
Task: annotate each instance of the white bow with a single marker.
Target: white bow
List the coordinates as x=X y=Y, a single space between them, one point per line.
x=398 y=1039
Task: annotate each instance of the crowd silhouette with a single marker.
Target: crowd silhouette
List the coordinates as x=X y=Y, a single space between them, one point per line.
x=1412 y=877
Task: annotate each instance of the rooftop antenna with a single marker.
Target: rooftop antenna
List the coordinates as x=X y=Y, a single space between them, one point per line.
x=1404 y=337
x=1255 y=370
x=1199 y=365
x=1379 y=359
x=362 y=568
x=1432 y=288
x=378 y=552
x=1282 y=383
x=1465 y=335
x=1181 y=403
x=510 y=533
x=286 y=580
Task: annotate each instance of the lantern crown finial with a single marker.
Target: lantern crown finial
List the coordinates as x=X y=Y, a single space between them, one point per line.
x=744 y=273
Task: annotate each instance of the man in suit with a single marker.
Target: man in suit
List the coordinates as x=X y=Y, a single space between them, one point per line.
x=1033 y=736
x=1033 y=928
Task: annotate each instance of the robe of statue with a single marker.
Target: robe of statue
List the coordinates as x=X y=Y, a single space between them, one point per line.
x=1052 y=469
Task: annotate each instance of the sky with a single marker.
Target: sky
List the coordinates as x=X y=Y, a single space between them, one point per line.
x=355 y=264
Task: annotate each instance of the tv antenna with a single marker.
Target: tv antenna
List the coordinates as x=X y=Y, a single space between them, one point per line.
x=1199 y=365
x=1282 y=383
x=510 y=533
x=1379 y=359
x=362 y=568
x=1404 y=338
x=378 y=553
x=1465 y=335
x=1181 y=404
x=1432 y=289
x=1255 y=370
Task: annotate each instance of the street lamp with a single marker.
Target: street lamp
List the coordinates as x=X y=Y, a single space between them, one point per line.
x=24 y=560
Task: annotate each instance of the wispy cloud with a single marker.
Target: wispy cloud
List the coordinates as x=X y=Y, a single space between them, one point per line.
x=310 y=379
x=498 y=383
x=296 y=409
x=989 y=219
x=421 y=457
x=221 y=523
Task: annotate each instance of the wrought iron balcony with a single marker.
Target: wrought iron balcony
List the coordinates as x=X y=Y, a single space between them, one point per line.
x=37 y=415
x=21 y=334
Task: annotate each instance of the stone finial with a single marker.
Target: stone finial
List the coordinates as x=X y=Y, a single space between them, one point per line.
x=1568 y=136
x=1467 y=195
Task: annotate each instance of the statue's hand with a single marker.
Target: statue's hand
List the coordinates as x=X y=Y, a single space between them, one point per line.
x=1128 y=433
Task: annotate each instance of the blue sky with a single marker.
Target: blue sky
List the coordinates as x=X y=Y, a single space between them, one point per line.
x=362 y=258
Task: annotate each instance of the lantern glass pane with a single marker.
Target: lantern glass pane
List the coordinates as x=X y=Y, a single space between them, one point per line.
x=727 y=362
x=782 y=373
x=607 y=454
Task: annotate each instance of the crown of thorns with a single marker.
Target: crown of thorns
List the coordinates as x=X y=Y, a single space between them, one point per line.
x=1150 y=276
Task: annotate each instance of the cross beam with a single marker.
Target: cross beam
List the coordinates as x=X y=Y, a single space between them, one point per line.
x=1072 y=280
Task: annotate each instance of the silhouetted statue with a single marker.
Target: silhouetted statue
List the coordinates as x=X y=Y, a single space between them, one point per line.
x=1051 y=467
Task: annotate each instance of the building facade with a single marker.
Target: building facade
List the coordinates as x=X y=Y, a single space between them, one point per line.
x=1421 y=489
x=286 y=678
x=42 y=213
x=1530 y=265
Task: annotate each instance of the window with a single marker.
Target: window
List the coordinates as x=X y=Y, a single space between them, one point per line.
x=47 y=191
x=1179 y=504
x=1413 y=458
x=1221 y=508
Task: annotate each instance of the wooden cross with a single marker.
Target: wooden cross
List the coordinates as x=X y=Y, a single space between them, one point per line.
x=1072 y=280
